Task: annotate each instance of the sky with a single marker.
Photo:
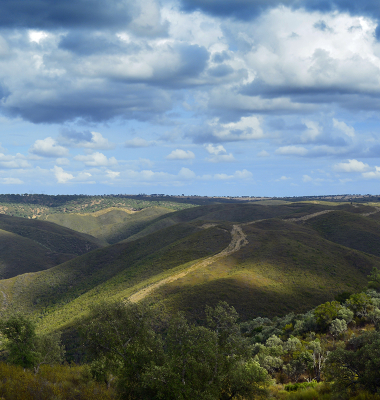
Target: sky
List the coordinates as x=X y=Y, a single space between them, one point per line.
x=194 y=97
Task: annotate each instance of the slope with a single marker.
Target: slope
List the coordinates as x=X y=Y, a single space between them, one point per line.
x=356 y=231
x=283 y=267
x=237 y=213
x=112 y=224
x=31 y=245
x=261 y=266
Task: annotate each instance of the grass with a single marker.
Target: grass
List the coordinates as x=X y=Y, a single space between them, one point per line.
x=112 y=224
x=350 y=230
x=285 y=266
x=30 y=246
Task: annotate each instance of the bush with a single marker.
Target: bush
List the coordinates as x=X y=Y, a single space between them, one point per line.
x=292 y=387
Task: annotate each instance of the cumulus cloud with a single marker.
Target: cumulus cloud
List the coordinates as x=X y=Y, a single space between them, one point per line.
x=216 y=151
x=85 y=139
x=96 y=160
x=312 y=132
x=263 y=153
x=342 y=126
x=48 y=148
x=179 y=154
x=61 y=175
x=13 y=162
x=351 y=166
x=244 y=174
x=372 y=174
x=112 y=174
x=307 y=178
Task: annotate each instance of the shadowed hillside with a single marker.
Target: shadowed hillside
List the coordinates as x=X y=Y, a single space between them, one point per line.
x=112 y=224
x=264 y=260
x=30 y=245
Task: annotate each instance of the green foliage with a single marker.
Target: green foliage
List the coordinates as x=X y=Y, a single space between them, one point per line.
x=20 y=340
x=292 y=387
x=52 y=382
x=326 y=313
x=374 y=279
x=356 y=368
x=27 y=349
x=190 y=362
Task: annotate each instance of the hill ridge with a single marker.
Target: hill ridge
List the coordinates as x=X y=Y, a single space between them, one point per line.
x=238 y=240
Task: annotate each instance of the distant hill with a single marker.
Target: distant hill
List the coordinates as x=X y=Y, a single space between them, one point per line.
x=111 y=224
x=32 y=245
x=265 y=260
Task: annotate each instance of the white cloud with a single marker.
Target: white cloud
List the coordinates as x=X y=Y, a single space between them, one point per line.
x=138 y=142
x=61 y=175
x=248 y=128
x=244 y=174
x=283 y=178
x=96 y=160
x=215 y=149
x=347 y=130
x=186 y=174
x=351 y=166
x=372 y=174
x=48 y=148
x=179 y=154
x=312 y=132
x=112 y=174
x=307 y=178
x=263 y=153
x=221 y=158
x=292 y=151
x=37 y=36
x=97 y=142
x=13 y=162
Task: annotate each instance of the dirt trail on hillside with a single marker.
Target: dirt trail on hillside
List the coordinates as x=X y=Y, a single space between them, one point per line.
x=306 y=217
x=372 y=212
x=238 y=240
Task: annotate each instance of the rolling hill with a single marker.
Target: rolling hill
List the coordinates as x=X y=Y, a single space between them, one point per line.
x=111 y=224
x=265 y=260
x=31 y=245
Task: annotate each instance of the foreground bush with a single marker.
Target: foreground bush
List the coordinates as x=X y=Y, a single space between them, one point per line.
x=52 y=382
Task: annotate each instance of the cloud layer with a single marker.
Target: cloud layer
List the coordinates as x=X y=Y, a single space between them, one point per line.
x=277 y=96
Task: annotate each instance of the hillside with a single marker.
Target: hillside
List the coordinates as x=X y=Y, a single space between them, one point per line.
x=111 y=224
x=30 y=245
x=264 y=260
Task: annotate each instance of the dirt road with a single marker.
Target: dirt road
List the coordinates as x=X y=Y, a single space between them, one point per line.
x=238 y=240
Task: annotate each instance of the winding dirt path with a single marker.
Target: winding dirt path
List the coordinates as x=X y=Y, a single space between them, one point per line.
x=238 y=240
x=372 y=212
x=306 y=217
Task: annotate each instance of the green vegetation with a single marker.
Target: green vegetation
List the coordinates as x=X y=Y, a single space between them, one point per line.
x=40 y=206
x=111 y=224
x=293 y=273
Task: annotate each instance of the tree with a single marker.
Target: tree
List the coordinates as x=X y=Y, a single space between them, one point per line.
x=28 y=349
x=326 y=312
x=337 y=327
x=356 y=368
x=193 y=362
x=20 y=335
x=122 y=341
x=374 y=279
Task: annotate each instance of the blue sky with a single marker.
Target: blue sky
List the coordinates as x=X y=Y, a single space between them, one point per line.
x=207 y=97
